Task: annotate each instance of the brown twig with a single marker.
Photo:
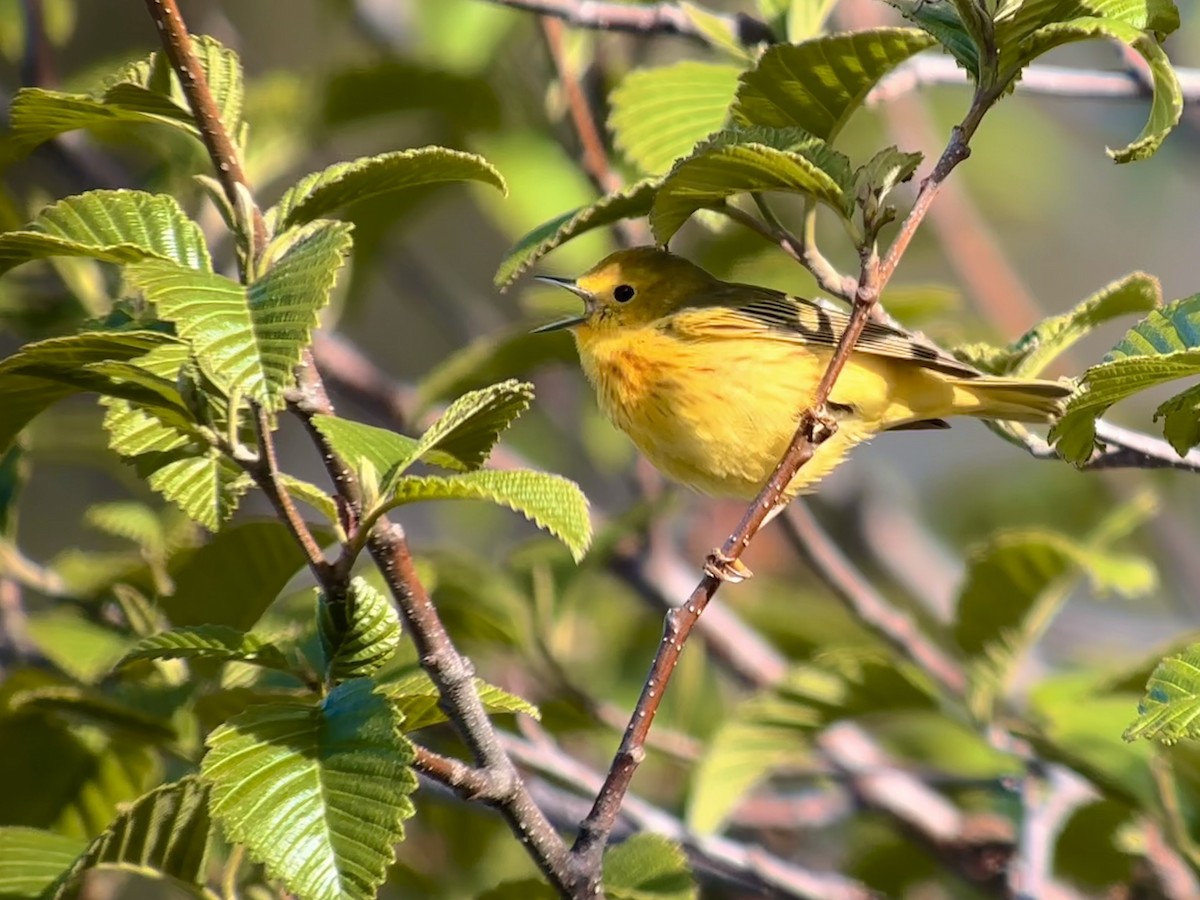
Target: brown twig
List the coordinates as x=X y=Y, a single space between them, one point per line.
x=265 y=472
x=897 y=629
x=812 y=429
x=594 y=155
x=645 y=19
x=178 y=46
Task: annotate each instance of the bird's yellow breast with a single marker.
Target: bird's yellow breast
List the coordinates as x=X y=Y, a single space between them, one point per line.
x=716 y=415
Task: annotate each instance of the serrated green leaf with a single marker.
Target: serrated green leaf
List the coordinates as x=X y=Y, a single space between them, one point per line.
x=1166 y=104
x=111 y=226
x=470 y=426
x=751 y=160
x=817 y=84
x=487 y=360
x=145 y=92
x=416 y=697
x=26 y=393
x=1029 y=355
x=309 y=493
x=551 y=502
x=716 y=30
x=212 y=642
x=381 y=448
x=346 y=183
x=1169 y=710
x=262 y=553
x=250 y=337
x=648 y=867
x=1162 y=347
x=628 y=203
x=359 y=636
x=941 y=21
x=806 y=18
x=317 y=792
x=31 y=860
x=658 y=115
x=163 y=833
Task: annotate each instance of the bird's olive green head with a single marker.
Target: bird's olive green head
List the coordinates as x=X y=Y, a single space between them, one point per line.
x=632 y=287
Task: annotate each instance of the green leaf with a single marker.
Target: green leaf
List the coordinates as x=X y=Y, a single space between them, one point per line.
x=880 y=176
x=1162 y=347
x=751 y=160
x=31 y=860
x=1171 y=706
x=213 y=642
x=551 y=502
x=250 y=337
x=471 y=425
x=310 y=494
x=817 y=84
x=1181 y=420
x=525 y=889
x=1166 y=105
x=1016 y=584
x=359 y=636
x=111 y=226
x=316 y=792
x=382 y=448
x=942 y=22
x=384 y=86
x=263 y=554
x=1028 y=356
x=130 y=520
x=83 y=649
x=416 y=697
x=648 y=867
x=164 y=833
x=630 y=202
x=658 y=115
x=87 y=706
x=765 y=733
x=146 y=92
x=717 y=30
x=345 y=183
x=27 y=392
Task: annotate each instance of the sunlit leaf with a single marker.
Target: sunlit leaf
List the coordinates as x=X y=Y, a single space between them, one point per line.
x=32 y=860
x=251 y=336
x=316 y=791
x=658 y=115
x=549 y=501
x=212 y=642
x=416 y=697
x=648 y=867
x=111 y=226
x=751 y=160
x=346 y=183
x=817 y=84
x=1171 y=706
x=359 y=635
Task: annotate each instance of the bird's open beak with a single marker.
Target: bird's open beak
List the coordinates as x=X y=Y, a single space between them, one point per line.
x=570 y=321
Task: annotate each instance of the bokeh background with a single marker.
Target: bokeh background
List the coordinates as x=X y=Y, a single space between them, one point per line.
x=1039 y=218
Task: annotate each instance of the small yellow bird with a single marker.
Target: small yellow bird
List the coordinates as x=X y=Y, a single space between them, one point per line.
x=710 y=378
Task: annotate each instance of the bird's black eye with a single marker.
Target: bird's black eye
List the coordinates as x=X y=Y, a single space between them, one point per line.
x=623 y=293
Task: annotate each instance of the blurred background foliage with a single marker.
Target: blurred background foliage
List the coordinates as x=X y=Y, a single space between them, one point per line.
x=336 y=79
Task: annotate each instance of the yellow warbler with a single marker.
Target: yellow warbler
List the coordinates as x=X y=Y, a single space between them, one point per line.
x=710 y=378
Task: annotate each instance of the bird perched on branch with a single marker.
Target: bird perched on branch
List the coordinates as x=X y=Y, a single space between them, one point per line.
x=709 y=378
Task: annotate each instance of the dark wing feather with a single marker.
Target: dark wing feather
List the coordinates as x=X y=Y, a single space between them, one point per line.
x=793 y=318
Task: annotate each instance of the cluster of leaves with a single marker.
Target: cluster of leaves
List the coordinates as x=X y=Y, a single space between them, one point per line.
x=192 y=368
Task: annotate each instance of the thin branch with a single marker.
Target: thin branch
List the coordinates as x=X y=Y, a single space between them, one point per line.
x=1121 y=448
x=178 y=46
x=645 y=19
x=265 y=473
x=805 y=249
x=867 y=605
x=813 y=428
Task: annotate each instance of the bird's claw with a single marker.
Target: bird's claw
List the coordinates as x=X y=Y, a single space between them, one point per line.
x=724 y=567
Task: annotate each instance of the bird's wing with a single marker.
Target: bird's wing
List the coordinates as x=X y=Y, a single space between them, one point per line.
x=744 y=310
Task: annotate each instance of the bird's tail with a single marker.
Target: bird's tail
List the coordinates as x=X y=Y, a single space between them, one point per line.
x=1014 y=399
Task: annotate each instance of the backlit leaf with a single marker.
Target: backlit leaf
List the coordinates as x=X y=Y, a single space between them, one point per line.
x=213 y=642
x=359 y=636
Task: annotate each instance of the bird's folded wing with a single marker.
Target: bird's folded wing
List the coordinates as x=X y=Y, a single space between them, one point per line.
x=742 y=311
